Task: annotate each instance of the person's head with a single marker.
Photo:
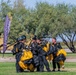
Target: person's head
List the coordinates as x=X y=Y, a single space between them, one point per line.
x=54 y=40
x=38 y=41
x=21 y=39
x=0 y=34
x=34 y=39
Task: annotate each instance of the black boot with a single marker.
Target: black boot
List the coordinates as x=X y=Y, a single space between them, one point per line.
x=48 y=70
x=53 y=70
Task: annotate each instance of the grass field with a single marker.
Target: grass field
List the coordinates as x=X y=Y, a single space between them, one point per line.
x=7 y=68
x=10 y=55
x=71 y=55
x=7 y=55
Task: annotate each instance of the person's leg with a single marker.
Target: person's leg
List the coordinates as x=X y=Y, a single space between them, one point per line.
x=41 y=67
x=58 y=66
x=18 y=68
x=54 y=65
x=17 y=65
x=46 y=63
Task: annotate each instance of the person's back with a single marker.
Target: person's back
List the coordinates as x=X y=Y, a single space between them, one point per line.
x=17 y=51
x=33 y=47
x=42 y=57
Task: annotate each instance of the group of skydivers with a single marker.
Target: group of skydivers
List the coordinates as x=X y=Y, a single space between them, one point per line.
x=39 y=55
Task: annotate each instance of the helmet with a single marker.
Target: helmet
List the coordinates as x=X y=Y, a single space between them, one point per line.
x=35 y=37
x=23 y=37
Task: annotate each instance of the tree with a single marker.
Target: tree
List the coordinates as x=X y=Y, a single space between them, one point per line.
x=56 y=21
x=4 y=9
x=19 y=18
x=44 y=13
x=64 y=25
x=45 y=20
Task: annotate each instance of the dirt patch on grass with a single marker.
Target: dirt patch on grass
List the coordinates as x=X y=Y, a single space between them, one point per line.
x=7 y=59
x=12 y=59
x=69 y=69
x=71 y=60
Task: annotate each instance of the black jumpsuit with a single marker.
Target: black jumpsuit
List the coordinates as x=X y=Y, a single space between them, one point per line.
x=54 y=48
x=42 y=58
x=17 y=50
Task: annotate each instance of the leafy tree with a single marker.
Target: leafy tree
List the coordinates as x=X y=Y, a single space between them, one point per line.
x=44 y=14
x=57 y=21
x=19 y=19
x=4 y=9
x=45 y=20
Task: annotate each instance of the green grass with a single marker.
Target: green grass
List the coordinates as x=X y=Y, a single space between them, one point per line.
x=70 y=65
x=6 y=55
x=7 y=68
x=71 y=55
x=64 y=47
x=11 y=55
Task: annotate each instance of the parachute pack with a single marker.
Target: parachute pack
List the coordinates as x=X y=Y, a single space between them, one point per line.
x=27 y=56
x=25 y=61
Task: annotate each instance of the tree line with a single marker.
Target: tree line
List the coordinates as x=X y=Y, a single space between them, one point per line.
x=45 y=20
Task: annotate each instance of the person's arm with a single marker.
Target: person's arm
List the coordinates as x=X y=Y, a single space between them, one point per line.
x=20 y=47
x=59 y=46
x=14 y=50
